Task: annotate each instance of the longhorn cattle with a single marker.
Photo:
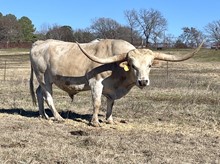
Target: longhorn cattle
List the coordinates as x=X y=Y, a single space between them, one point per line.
x=108 y=67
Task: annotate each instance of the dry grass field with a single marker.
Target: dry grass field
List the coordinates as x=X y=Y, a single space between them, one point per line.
x=174 y=120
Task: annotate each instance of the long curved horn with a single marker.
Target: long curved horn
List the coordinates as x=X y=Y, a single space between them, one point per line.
x=173 y=58
x=111 y=59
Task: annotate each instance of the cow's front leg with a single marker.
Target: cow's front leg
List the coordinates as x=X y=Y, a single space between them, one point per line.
x=95 y=120
x=96 y=90
x=110 y=104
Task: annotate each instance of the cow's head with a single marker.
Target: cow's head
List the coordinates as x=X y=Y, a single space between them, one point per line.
x=139 y=62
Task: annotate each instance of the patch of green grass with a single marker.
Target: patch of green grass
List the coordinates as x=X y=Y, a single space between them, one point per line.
x=208 y=55
x=204 y=55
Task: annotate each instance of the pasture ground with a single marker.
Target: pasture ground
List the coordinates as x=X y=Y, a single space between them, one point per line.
x=174 y=120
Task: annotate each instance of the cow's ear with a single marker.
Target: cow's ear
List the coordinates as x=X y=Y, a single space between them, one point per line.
x=124 y=65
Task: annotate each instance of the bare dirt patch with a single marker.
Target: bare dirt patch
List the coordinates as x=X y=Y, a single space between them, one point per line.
x=174 y=120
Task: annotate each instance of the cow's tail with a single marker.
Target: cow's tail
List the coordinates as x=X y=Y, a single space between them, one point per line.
x=32 y=88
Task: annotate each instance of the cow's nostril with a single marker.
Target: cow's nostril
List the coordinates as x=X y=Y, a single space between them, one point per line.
x=139 y=82
x=146 y=82
x=142 y=82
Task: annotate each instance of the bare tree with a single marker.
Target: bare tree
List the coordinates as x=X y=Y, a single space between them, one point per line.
x=130 y=16
x=213 y=31
x=44 y=28
x=105 y=28
x=123 y=32
x=64 y=33
x=169 y=40
x=83 y=35
x=191 y=36
x=9 y=28
x=151 y=24
x=54 y=32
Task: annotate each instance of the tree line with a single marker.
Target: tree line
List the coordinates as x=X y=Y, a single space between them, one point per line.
x=144 y=27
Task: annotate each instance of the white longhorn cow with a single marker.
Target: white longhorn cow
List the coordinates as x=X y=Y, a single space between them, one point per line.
x=108 y=67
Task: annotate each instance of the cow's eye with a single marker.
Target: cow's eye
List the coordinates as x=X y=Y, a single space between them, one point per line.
x=133 y=66
x=150 y=66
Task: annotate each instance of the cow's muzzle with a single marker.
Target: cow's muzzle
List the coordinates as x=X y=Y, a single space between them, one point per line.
x=143 y=83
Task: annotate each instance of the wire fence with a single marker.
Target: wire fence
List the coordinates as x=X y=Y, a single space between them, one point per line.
x=18 y=67
x=13 y=67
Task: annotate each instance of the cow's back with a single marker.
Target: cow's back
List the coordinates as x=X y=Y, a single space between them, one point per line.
x=66 y=59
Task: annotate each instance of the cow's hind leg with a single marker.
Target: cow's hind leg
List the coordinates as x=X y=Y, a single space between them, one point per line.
x=49 y=100
x=40 y=99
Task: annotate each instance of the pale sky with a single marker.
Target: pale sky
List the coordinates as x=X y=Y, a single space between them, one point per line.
x=80 y=13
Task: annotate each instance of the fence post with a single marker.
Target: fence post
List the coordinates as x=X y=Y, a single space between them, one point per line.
x=167 y=70
x=5 y=70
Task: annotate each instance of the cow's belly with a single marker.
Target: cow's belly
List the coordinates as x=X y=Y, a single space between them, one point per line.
x=73 y=89
x=71 y=85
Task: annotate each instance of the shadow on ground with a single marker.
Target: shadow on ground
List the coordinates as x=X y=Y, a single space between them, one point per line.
x=64 y=114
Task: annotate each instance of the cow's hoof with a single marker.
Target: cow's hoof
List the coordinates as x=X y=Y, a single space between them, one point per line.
x=95 y=124
x=59 y=120
x=111 y=122
x=44 y=117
